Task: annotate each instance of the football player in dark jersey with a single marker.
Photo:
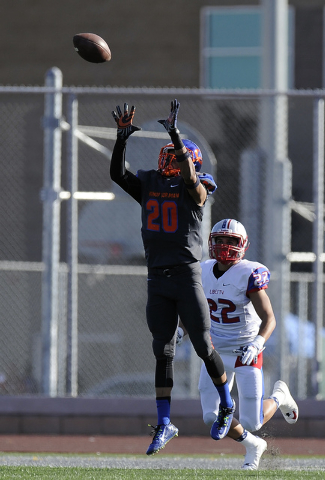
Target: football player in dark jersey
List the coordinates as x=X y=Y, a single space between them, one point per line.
x=172 y=200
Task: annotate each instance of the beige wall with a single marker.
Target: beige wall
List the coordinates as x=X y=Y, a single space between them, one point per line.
x=153 y=43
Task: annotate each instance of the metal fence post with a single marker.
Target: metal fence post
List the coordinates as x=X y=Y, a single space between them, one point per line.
x=318 y=238
x=302 y=361
x=282 y=237
x=51 y=230
x=274 y=141
x=72 y=246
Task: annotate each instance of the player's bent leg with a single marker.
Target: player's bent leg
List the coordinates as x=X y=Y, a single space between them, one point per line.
x=269 y=408
x=250 y=387
x=250 y=426
x=209 y=397
x=282 y=396
x=226 y=411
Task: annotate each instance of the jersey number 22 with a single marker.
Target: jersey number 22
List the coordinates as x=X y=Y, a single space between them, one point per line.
x=226 y=307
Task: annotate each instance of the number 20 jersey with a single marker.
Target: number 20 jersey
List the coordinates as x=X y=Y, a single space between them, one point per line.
x=234 y=321
x=171 y=221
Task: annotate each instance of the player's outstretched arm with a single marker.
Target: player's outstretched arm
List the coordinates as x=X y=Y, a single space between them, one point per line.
x=124 y=120
x=187 y=168
x=129 y=182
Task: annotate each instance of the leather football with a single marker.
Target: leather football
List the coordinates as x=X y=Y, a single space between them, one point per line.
x=91 y=47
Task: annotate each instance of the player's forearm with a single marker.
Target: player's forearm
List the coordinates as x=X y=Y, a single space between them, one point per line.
x=186 y=166
x=129 y=182
x=264 y=310
x=117 y=168
x=267 y=326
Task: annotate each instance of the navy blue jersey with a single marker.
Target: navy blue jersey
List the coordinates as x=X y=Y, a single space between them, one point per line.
x=171 y=221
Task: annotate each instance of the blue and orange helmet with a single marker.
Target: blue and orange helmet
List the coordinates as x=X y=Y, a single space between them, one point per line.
x=167 y=163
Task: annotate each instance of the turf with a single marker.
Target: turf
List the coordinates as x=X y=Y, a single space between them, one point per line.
x=63 y=473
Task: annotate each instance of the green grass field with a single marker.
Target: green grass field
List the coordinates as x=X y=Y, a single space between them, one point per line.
x=63 y=473
x=138 y=467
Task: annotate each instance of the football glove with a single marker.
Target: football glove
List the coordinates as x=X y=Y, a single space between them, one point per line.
x=207 y=180
x=250 y=352
x=124 y=121
x=179 y=336
x=170 y=123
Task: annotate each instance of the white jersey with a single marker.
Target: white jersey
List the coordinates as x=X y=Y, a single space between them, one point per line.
x=234 y=321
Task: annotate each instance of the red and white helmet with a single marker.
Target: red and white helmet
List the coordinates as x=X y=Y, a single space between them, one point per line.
x=224 y=253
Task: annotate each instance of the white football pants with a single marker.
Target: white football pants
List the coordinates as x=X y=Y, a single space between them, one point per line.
x=250 y=386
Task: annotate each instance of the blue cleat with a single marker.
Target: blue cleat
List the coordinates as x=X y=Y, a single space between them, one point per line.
x=162 y=435
x=221 y=426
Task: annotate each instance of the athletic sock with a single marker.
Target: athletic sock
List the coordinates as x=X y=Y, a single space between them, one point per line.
x=242 y=437
x=224 y=393
x=272 y=397
x=163 y=410
x=278 y=396
x=247 y=439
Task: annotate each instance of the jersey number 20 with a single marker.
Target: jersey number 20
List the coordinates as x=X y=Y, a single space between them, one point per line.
x=163 y=216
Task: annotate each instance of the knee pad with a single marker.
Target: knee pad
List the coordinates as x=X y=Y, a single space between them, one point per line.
x=163 y=349
x=209 y=418
x=249 y=424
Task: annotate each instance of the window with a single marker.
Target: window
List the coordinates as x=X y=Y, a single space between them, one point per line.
x=231 y=47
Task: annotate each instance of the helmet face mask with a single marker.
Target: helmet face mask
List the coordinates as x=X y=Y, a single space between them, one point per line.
x=226 y=253
x=167 y=163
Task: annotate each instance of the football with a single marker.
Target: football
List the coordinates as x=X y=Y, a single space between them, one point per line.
x=91 y=47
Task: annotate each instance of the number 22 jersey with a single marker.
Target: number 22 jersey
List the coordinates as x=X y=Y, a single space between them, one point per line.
x=234 y=321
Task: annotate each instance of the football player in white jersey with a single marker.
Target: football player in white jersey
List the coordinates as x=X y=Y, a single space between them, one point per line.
x=242 y=321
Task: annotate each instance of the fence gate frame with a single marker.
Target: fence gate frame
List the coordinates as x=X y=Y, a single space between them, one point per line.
x=52 y=195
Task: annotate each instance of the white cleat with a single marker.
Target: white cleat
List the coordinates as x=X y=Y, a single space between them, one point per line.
x=288 y=406
x=253 y=454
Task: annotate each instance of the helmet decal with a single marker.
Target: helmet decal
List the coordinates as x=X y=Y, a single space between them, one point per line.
x=195 y=153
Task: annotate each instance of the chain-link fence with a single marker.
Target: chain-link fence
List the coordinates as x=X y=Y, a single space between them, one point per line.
x=111 y=352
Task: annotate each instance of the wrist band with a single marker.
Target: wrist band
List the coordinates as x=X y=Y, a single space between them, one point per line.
x=183 y=157
x=259 y=340
x=193 y=185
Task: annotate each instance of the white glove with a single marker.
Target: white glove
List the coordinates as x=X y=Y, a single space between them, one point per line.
x=179 y=336
x=250 y=352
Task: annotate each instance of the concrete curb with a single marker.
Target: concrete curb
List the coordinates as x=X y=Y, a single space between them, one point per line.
x=131 y=416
